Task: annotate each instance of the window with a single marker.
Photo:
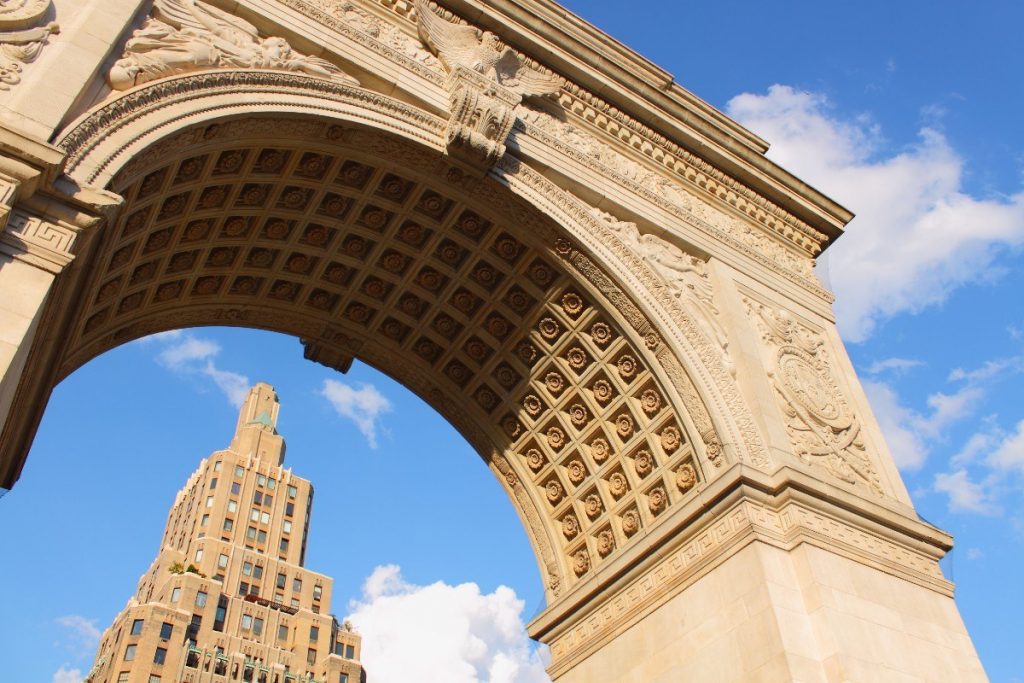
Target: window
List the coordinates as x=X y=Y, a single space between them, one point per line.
x=213 y=483
x=236 y=488
x=311 y=656
x=250 y=533
x=246 y=622
x=239 y=471
x=318 y=591
x=257 y=626
x=295 y=602
x=287 y=526
x=261 y=479
x=243 y=588
x=271 y=483
x=232 y=506
x=281 y=580
x=261 y=536
x=254 y=515
x=221 y=613
x=292 y=491
x=199 y=555
x=175 y=594
x=122 y=677
x=129 y=653
x=254 y=589
x=166 y=630
x=201 y=599
x=216 y=466
x=204 y=520
x=222 y=560
x=153 y=678
x=160 y=655
x=268 y=500
x=209 y=501
x=289 y=509
x=350 y=652
x=247 y=568
x=136 y=627
x=229 y=524
x=297 y=585
x=343 y=678
x=257 y=497
x=284 y=545
x=282 y=632
x=265 y=517
x=314 y=634
x=257 y=572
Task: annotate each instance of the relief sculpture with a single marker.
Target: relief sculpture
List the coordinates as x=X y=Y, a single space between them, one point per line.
x=22 y=37
x=187 y=35
x=685 y=275
x=822 y=427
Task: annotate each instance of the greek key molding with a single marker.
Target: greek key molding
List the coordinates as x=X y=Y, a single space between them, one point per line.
x=40 y=242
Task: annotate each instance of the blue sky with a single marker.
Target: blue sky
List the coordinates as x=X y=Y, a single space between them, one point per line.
x=908 y=113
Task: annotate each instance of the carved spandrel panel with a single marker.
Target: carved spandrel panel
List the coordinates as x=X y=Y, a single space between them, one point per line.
x=823 y=428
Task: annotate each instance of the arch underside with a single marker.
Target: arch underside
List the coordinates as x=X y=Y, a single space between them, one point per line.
x=365 y=245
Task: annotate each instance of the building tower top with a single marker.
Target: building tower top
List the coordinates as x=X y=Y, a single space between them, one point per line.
x=256 y=431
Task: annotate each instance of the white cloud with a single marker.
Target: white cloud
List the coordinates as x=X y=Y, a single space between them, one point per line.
x=974 y=554
x=964 y=494
x=909 y=432
x=907 y=447
x=918 y=235
x=363 y=406
x=188 y=349
x=1009 y=454
x=992 y=368
x=234 y=386
x=82 y=635
x=444 y=633
x=897 y=366
x=66 y=675
x=187 y=354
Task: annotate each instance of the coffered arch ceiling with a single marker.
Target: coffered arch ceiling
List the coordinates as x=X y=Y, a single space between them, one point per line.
x=367 y=245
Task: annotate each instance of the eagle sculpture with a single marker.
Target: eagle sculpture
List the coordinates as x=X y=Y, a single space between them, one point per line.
x=483 y=52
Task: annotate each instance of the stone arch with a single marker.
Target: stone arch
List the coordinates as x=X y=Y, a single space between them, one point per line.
x=556 y=351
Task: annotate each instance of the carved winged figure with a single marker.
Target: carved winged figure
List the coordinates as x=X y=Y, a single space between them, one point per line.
x=186 y=35
x=483 y=52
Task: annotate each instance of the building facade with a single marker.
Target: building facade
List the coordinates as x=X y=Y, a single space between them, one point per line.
x=228 y=597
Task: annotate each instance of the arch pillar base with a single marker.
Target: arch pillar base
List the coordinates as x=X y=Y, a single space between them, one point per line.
x=775 y=578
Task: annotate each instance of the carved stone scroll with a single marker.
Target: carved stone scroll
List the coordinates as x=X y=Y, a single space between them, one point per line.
x=482 y=116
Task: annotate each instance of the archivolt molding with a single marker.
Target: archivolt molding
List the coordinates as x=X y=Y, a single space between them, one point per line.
x=681 y=166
